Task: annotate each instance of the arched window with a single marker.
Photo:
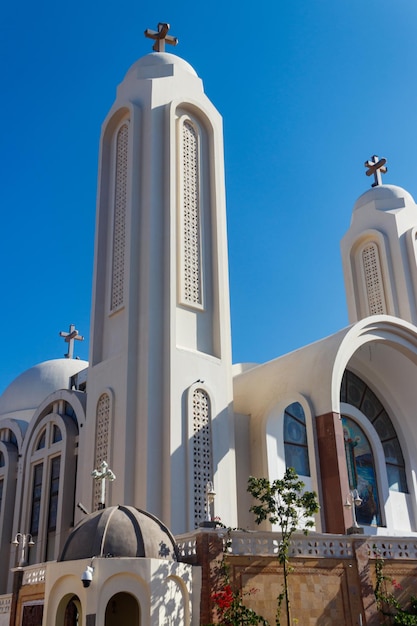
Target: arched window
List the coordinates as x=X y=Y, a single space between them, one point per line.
x=374 y=285
x=202 y=451
x=191 y=278
x=357 y=393
x=103 y=433
x=119 y=217
x=361 y=472
x=295 y=439
x=50 y=473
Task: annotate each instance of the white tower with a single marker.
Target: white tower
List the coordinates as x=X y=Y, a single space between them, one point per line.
x=159 y=384
x=379 y=253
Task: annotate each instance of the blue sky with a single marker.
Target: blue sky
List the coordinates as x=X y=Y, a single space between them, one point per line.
x=308 y=89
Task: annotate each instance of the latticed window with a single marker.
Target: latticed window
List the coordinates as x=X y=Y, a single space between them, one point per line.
x=119 y=218
x=191 y=218
x=373 y=279
x=202 y=452
x=102 y=439
x=295 y=439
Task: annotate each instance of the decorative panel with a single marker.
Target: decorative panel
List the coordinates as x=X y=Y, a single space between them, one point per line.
x=102 y=440
x=191 y=235
x=202 y=452
x=119 y=218
x=373 y=279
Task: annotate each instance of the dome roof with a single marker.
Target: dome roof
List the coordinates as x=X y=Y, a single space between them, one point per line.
x=29 y=389
x=156 y=60
x=120 y=531
x=385 y=198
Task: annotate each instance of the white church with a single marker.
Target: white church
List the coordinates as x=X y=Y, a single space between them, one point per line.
x=161 y=402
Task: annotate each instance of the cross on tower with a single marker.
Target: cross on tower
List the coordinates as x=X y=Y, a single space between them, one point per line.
x=70 y=337
x=376 y=167
x=161 y=37
x=102 y=474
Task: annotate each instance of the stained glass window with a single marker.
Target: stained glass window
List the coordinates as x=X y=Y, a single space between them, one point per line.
x=361 y=472
x=355 y=392
x=295 y=439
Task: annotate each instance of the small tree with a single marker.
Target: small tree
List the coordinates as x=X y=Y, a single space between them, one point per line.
x=284 y=502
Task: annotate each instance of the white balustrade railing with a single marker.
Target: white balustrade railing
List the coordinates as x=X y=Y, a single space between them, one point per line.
x=314 y=545
x=5 y=603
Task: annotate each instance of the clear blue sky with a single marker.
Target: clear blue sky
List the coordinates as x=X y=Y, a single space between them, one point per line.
x=308 y=89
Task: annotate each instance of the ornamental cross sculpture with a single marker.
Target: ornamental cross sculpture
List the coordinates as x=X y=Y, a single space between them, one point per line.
x=103 y=474
x=376 y=166
x=70 y=337
x=161 y=37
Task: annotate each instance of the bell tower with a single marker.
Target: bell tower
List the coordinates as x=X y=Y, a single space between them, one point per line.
x=159 y=383
x=379 y=251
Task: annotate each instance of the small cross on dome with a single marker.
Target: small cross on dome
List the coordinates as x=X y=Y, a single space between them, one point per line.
x=161 y=37
x=69 y=338
x=376 y=166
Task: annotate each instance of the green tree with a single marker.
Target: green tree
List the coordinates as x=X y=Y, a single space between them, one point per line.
x=285 y=503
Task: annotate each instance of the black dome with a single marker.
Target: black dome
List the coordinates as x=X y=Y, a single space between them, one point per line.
x=120 y=531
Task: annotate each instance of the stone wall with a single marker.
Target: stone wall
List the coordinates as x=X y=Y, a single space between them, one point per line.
x=333 y=577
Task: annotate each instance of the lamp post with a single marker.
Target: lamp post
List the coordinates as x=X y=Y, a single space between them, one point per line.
x=25 y=540
x=353 y=500
x=210 y=495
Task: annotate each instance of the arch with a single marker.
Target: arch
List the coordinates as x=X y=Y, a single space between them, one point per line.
x=122 y=608
x=201 y=449
x=274 y=442
x=49 y=459
x=128 y=583
x=104 y=419
x=69 y=611
x=194 y=170
x=370 y=266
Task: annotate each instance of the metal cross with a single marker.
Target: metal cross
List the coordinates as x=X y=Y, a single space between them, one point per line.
x=161 y=37
x=103 y=474
x=70 y=337
x=376 y=167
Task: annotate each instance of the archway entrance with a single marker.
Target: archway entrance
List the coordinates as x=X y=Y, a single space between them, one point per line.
x=124 y=609
x=72 y=614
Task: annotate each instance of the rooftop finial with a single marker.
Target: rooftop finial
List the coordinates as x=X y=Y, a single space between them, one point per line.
x=376 y=166
x=70 y=337
x=161 y=37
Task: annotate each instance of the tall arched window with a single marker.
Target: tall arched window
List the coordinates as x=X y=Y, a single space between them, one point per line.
x=202 y=452
x=50 y=475
x=191 y=275
x=119 y=217
x=357 y=393
x=361 y=472
x=295 y=439
x=103 y=432
x=374 y=284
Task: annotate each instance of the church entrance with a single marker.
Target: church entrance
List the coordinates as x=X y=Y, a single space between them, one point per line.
x=124 y=609
x=72 y=613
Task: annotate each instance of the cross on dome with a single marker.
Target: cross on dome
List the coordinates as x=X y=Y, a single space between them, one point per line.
x=376 y=167
x=161 y=37
x=102 y=474
x=70 y=337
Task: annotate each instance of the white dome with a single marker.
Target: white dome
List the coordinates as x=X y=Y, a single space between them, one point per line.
x=158 y=59
x=29 y=389
x=385 y=198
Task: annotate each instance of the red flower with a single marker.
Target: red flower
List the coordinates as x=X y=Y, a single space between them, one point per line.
x=223 y=598
x=395 y=584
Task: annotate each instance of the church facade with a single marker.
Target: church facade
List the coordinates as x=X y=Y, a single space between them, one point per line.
x=162 y=405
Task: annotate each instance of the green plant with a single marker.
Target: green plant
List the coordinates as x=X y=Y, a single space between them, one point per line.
x=285 y=503
x=386 y=602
